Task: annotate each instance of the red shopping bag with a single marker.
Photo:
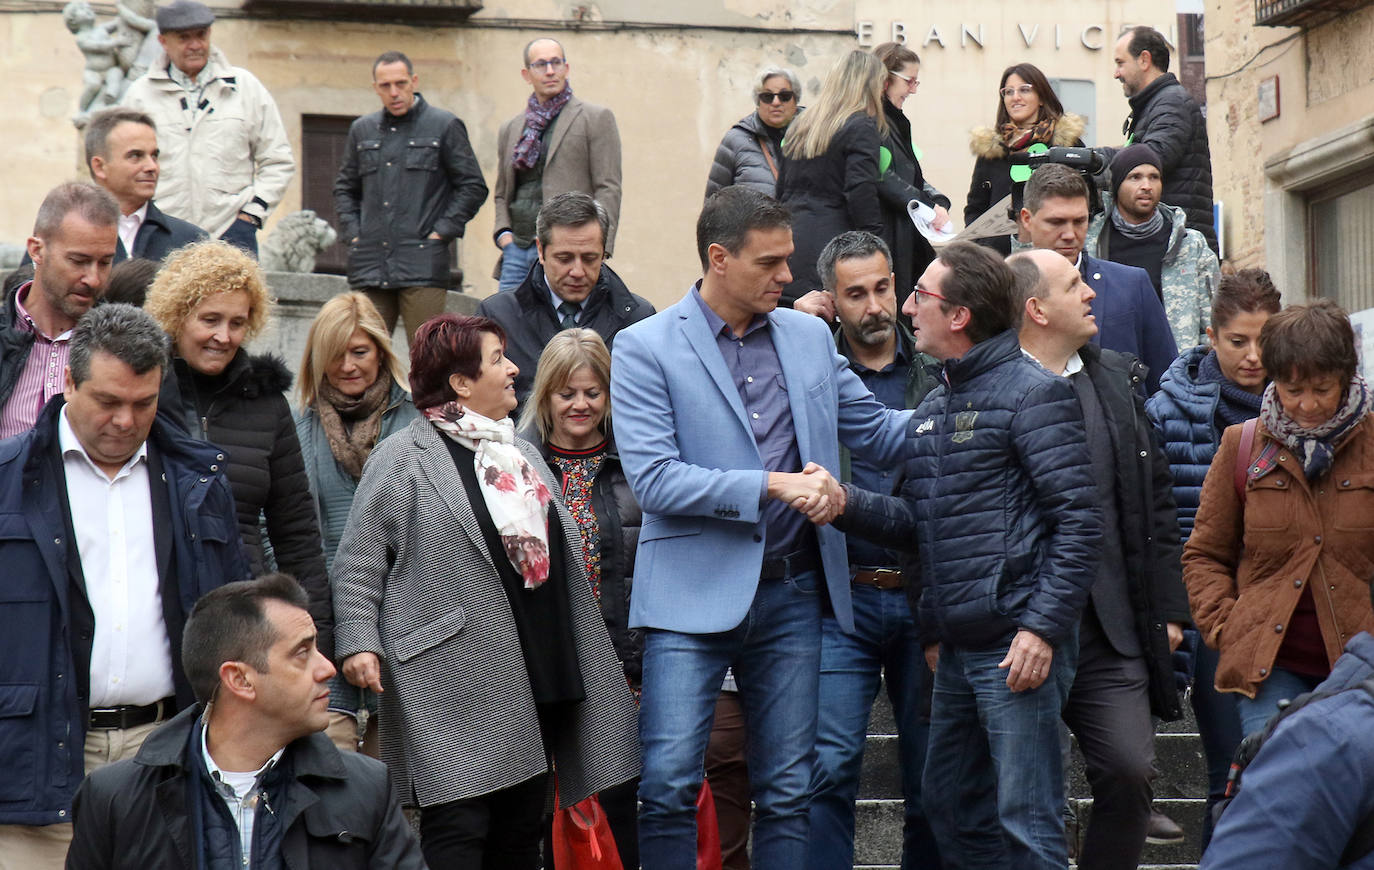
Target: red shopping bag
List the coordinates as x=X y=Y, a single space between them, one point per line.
x=708 y=830
x=582 y=838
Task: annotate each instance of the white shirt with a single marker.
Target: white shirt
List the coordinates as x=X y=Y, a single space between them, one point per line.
x=1072 y=367
x=129 y=225
x=241 y=794
x=131 y=656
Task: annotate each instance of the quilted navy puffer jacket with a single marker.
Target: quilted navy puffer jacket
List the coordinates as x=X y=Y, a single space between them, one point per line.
x=999 y=502
x=1184 y=411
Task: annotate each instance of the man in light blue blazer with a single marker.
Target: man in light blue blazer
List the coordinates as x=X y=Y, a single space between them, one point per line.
x=728 y=417
x=1130 y=315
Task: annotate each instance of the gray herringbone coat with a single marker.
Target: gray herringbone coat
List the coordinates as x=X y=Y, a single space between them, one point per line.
x=414 y=582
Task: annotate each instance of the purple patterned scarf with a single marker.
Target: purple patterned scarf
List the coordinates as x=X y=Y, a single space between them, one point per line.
x=1315 y=448
x=538 y=116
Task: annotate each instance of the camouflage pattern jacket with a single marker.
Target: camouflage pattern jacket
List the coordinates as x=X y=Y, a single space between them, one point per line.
x=1189 y=276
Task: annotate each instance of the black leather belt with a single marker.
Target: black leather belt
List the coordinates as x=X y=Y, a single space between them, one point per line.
x=130 y=716
x=878 y=578
x=807 y=559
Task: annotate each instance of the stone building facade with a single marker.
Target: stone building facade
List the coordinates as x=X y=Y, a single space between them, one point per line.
x=1293 y=107
x=677 y=75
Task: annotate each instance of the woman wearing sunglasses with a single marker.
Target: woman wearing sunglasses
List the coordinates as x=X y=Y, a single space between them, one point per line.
x=830 y=165
x=751 y=152
x=1028 y=112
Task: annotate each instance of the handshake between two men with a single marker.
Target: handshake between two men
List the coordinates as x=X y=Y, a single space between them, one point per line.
x=813 y=492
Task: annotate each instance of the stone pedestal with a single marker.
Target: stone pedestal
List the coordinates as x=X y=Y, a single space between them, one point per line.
x=299 y=297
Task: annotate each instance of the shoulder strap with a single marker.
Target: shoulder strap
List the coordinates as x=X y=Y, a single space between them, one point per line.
x=1247 y=444
x=763 y=146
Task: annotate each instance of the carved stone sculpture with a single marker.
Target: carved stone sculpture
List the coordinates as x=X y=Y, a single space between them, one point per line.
x=297 y=240
x=117 y=51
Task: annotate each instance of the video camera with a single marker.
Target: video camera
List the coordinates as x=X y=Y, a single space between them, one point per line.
x=1088 y=162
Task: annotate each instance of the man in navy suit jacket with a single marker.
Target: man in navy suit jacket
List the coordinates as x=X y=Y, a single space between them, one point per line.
x=1130 y=315
x=728 y=417
x=122 y=154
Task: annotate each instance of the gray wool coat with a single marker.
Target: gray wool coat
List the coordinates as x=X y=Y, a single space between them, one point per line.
x=414 y=582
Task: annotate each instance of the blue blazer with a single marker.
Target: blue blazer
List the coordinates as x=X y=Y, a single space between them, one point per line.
x=695 y=468
x=1130 y=317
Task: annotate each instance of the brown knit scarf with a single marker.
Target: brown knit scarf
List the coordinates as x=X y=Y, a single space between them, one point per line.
x=1020 y=138
x=352 y=423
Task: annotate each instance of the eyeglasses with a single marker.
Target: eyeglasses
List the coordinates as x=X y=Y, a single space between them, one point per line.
x=930 y=293
x=766 y=97
x=1023 y=90
x=910 y=80
x=554 y=63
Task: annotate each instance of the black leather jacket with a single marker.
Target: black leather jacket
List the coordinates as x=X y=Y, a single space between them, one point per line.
x=402 y=179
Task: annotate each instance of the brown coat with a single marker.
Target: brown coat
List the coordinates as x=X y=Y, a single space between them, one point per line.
x=583 y=155
x=1293 y=533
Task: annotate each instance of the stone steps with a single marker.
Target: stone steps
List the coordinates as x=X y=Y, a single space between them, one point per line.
x=1180 y=792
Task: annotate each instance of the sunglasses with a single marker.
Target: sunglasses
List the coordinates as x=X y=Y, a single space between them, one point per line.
x=770 y=97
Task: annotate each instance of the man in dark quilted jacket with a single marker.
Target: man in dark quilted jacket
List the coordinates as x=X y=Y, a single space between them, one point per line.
x=1000 y=506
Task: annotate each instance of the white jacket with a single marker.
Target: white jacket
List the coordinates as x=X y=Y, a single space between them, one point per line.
x=234 y=156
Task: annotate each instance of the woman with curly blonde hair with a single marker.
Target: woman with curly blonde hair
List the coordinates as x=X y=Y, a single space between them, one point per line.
x=211 y=297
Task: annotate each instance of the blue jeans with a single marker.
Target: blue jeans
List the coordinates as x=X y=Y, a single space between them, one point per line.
x=1219 y=725
x=775 y=652
x=994 y=781
x=884 y=643
x=1278 y=686
x=515 y=264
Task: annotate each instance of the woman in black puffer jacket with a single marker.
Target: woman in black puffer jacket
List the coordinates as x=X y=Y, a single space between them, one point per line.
x=904 y=181
x=751 y=151
x=210 y=297
x=568 y=415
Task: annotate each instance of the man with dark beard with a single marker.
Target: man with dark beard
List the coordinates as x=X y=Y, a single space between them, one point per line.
x=856 y=270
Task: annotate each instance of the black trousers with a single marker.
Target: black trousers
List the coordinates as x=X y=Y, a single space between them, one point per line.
x=1109 y=712
x=499 y=830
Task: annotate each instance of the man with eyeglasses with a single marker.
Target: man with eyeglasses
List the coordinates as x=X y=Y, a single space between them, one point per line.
x=557 y=144
x=408 y=186
x=1000 y=505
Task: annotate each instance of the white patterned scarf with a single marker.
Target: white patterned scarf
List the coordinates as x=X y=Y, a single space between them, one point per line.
x=516 y=496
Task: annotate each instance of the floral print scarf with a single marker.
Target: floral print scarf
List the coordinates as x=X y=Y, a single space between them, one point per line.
x=516 y=497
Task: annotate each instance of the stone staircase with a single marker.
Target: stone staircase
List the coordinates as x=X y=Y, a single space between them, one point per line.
x=1180 y=792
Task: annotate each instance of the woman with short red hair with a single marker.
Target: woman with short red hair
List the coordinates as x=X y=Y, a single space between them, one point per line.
x=461 y=597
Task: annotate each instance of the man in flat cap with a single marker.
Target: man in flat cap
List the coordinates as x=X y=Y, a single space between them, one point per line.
x=226 y=160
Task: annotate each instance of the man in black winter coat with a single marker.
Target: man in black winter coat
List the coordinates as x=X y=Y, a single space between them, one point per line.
x=245 y=777
x=1137 y=606
x=570 y=286
x=1164 y=117
x=408 y=186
